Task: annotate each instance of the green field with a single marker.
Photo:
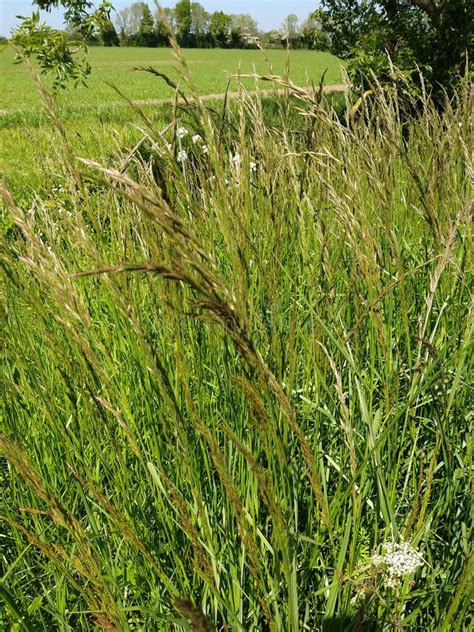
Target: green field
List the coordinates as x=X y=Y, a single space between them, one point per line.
x=99 y=119
x=236 y=364
x=211 y=70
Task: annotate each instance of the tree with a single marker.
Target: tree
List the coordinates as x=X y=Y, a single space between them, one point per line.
x=164 y=22
x=200 y=19
x=109 y=35
x=272 y=39
x=78 y=13
x=137 y=27
x=130 y=18
x=244 y=30
x=51 y=47
x=345 y=21
x=169 y=16
x=244 y=23
x=183 y=18
x=313 y=33
x=122 y=21
x=290 y=31
x=219 y=28
x=434 y=35
x=146 y=35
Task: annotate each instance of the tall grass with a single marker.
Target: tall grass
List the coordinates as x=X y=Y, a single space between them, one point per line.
x=226 y=385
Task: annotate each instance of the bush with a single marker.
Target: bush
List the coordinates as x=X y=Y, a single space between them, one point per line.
x=434 y=37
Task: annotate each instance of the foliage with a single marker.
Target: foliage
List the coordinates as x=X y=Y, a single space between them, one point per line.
x=109 y=34
x=183 y=19
x=146 y=35
x=137 y=26
x=243 y=31
x=199 y=24
x=345 y=21
x=219 y=28
x=164 y=25
x=272 y=39
x=231 y=381
x=52 y=48
x=244 y=23
x=129 y=19
x=313 y=33
x=290 y=31
x=432 y=35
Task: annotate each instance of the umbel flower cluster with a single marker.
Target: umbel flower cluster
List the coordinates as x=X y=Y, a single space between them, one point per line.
x=182 y=155
x=398 y=560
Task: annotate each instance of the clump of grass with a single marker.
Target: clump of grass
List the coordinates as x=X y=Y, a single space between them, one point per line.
x=230 y=378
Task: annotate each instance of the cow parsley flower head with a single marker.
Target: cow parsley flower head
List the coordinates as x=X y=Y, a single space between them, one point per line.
x=236 y=159
x=182 y=156
x=204 y=149
x=181 y=132
x=398 y=560
x=196 y=138
x=253 y=166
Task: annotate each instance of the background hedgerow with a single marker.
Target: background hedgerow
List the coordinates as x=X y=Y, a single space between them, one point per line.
x=228 y=381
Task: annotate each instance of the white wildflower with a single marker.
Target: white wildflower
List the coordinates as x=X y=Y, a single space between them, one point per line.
x=399 y=559
x=236 y=159
x=196 y=138
x=181 y=132
x=182 y=156
x=253 y=166
x=204 y=149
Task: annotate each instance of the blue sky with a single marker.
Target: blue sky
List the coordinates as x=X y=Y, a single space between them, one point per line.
x=268 y=13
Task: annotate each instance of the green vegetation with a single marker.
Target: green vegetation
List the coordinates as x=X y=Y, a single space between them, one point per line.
x=99 y=120
x=428 y=43
x=434 y=37
x=236 y=361
x=60 y=54
x=211 y=70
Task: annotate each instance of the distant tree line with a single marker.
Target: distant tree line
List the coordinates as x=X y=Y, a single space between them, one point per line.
x=194 y=27
x=390 y=40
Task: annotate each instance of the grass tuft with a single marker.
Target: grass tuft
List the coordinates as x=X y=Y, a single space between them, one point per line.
x=237 y=361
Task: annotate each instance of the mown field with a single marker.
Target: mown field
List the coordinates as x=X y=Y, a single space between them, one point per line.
x=99 y=119
x=237 y=369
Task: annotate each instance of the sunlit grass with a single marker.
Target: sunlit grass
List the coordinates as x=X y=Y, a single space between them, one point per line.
x=224 y=388
x=212 y=69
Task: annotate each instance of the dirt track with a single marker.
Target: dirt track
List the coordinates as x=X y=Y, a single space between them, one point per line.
x=339 y=87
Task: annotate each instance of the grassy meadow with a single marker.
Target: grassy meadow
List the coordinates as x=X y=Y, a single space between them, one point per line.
x=99 y=120
x=237 y=364
x=211 y=70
